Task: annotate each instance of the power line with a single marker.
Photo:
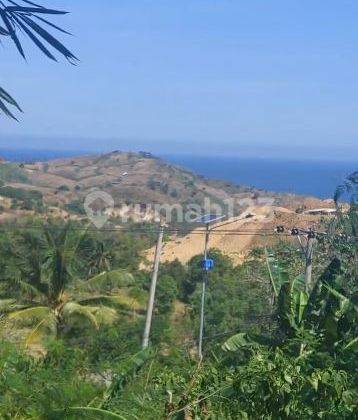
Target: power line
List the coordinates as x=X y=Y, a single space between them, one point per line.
x=129 y=229
x=136 y=230
x=288 y=232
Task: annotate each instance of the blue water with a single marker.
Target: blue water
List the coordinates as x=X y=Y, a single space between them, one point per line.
x=36 y=155
x=316 y=178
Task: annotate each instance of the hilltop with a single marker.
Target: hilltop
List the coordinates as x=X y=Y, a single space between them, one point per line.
x=132 y=178
x=59 y=188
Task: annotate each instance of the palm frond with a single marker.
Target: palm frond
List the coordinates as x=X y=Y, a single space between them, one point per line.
x=24 y=19
x=90 y=413
x=28 y=19
x=123 y=301
x=96 y=315
x=109 y=281
x=29 y=315
x=7 y=101
x=29 y=289
x=60 y=257
x=104 y=315
x=31 y=326
x=9 y=305
x=72 y=310
x=45 y=328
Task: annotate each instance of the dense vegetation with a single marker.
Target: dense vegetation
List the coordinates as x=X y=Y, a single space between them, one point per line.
x=73 y=302
x=23 y=199
x=11 y=172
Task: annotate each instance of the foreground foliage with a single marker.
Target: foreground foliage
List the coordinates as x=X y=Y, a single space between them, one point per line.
x=31 y=20
x=42 y=293
x=273 y=349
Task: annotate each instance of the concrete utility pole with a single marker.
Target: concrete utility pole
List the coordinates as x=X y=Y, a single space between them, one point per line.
x=307 y=250
x=153 y=285
x=205 y=281
x=309 y=255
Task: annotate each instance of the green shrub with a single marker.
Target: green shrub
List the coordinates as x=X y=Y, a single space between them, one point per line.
x=76 y=206
x=63 y=188
x=11 y=172
x=31 y=388
x=31 y=199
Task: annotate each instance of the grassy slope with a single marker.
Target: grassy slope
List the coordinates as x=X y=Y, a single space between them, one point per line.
x=132 y=178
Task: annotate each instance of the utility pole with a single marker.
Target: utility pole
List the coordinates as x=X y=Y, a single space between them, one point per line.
x=309 y=254
x=307 y=250
x=153 y=285
x=208 y=219
x=205 y=281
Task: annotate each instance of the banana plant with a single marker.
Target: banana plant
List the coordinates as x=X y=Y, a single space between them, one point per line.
x=290 y=294
x=332 y=311
x=326 y=310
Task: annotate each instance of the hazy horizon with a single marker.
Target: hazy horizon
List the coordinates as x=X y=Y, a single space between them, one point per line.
x=93 y=146
x=318 y=178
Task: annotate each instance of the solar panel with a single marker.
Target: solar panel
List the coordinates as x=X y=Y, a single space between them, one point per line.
x=209 y=218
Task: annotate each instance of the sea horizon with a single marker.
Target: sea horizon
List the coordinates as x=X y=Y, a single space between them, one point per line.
x=315 y=177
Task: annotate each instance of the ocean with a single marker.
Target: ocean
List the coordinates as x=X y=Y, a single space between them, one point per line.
x=311 y=177
x=28 y=155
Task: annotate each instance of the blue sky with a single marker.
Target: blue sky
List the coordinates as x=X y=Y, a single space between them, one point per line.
x=244 y=77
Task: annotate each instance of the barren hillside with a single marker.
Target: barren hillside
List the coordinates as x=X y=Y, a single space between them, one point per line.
x=135 y=178
x=242 y=236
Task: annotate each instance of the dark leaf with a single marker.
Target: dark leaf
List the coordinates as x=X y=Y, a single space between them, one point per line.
x=12 y=32
x=6 y=97
x=35 y=40
x=3 y=31
x=6 y=110
x=32 y=4
x=49 y=38
x=21 y=9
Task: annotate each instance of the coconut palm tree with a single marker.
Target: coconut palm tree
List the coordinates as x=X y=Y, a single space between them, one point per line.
x=51 y=298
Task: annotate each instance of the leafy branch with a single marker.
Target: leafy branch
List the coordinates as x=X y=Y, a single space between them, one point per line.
x=7 y=100
x=30 y=20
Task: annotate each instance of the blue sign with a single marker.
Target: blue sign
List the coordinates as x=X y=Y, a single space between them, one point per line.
x=208 y=264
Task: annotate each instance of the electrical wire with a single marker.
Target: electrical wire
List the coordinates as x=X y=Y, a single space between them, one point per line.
x=221 y=232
